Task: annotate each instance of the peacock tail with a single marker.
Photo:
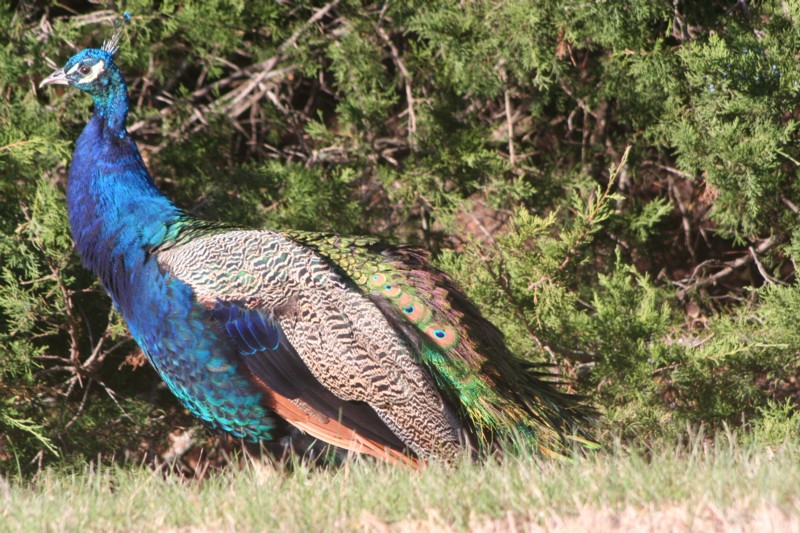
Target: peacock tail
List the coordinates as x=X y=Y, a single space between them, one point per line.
x=358 y=343
x=497 y=393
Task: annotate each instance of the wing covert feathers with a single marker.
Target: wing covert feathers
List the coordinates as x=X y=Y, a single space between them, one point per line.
x=337 y=333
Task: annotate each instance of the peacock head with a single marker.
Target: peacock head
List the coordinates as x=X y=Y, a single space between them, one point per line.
x=91 y=70
x=94 y=72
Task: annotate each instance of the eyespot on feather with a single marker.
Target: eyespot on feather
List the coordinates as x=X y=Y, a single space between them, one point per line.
x=443 y=336
x=392 y=291
x=377 y=280
x=416 y=311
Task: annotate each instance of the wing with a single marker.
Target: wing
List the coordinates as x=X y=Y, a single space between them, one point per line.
x=322 y=351
x=272 y=360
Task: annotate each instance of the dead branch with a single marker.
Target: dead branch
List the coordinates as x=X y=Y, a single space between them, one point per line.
x=693 y=282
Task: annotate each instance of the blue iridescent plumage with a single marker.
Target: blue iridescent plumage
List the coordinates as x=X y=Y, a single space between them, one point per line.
x=116 y=214
x=360 y=344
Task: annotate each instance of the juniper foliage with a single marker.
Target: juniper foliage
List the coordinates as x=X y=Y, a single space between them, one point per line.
x=662 y=285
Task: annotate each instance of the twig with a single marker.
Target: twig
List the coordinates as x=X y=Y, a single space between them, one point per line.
x=237 y=100
x=685 y=222
x=769 y=279
x=482 y=227
x=81 y=407
x=792 y=207
x=763 y=247
x=510 y=128
x=113 y=396
x=583 y=236
x=412 y=117
x=673 y=170
x=13 y=145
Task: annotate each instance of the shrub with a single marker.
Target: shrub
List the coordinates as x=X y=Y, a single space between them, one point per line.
x=663 y=288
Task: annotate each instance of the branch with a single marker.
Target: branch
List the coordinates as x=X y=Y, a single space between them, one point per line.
x=731 y=266
x=239 y=99
x=510 y=128
x=412 y=118
x=582 y=238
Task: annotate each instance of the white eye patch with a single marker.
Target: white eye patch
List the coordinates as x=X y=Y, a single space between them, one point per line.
x=97 y=68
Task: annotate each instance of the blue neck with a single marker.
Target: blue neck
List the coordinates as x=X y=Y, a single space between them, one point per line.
x=116 y=213
x=111 y=102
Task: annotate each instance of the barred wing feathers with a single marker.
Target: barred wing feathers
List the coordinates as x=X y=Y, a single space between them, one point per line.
x=310 y=338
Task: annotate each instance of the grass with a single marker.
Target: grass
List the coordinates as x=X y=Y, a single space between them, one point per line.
x=718 y=482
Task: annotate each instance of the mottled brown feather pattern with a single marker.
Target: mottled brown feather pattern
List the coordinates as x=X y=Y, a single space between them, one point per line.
x=341 y=336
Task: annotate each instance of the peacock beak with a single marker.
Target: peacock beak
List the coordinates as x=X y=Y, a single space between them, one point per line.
x=59 y=77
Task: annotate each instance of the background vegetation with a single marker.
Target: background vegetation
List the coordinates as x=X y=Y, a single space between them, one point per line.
x=481 y=130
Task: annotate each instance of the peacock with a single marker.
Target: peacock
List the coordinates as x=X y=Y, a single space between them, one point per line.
x=357 y=343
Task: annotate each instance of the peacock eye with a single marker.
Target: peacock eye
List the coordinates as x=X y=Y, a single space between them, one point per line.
x=84 y=69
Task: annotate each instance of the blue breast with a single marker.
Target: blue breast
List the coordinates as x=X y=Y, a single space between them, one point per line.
x=116 y=215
